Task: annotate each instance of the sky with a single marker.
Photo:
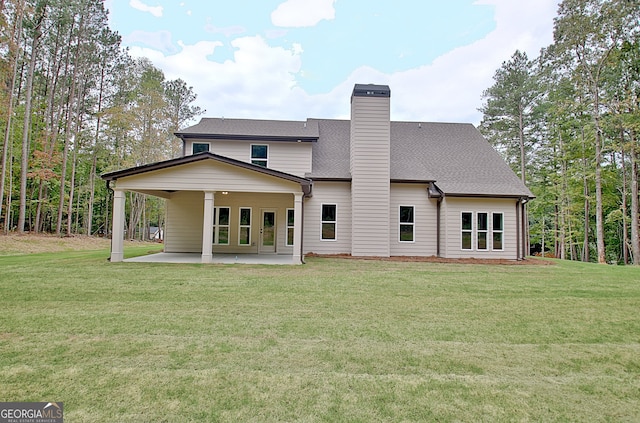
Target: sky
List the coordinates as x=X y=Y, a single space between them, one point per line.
x=298 y=59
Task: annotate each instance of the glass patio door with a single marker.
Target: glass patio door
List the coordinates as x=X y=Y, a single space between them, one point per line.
x=268 y=232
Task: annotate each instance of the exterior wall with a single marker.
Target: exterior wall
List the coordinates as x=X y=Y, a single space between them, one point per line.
x=451 y=235
x=425 y=220
x=288 y=157
x=257 y=202
x=338 y=193
x=207 y=175
x=370 y=172
x=185 y=214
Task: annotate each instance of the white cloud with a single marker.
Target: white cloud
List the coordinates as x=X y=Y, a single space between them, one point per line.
x=161 y=40
x=303 y=13
x=450 y=88
x=154 y=10
x=259 y=81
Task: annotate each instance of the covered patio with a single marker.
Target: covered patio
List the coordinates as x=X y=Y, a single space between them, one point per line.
x=217 y=209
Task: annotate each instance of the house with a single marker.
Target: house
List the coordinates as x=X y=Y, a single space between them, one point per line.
x=365 y=187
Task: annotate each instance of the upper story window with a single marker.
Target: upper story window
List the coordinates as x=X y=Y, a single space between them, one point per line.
x=199 y=147
x=259 y=155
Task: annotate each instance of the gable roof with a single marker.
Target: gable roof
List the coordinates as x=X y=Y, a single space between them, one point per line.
x=252 y=129
x=111 y=176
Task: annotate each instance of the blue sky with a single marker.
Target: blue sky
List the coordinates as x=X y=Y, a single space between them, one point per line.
x=293 y=59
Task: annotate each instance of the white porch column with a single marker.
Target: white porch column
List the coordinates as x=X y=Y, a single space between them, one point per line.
x=117 y=234
x=207 y=228
x=297 y=228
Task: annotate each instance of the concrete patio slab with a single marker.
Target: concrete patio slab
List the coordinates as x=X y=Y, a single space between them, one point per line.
x=196 y=258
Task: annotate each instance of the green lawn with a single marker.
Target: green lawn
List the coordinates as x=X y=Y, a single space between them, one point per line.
x=334 y=340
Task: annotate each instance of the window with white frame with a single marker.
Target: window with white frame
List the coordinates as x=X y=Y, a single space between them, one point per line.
x=259 y=154
x=199 y=147
x=221 y=225
x=290 y=226
x=467 y=230
x=406 y=220
x=244 y=230
x=482 y=231
x=497 y=230
x=329 y=222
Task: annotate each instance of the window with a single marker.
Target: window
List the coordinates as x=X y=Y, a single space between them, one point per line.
x=407 y=224
x=467 y=230
x=328 y=222
x=221 y=225
x=199 y=147
x=482 y=231
x=259 y=155
x=290 y=222
x=244 y=235
x=497 y=230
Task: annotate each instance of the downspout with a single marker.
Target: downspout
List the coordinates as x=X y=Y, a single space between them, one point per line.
x=518 y=230
x=438 y=224
x=302 y=230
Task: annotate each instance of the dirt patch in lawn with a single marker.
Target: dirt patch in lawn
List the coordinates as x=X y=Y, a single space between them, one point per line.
x=29 y=243
x=433 y=259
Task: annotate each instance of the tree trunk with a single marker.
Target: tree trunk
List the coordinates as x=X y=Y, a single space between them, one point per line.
x=14 y=47
x=635 y=239
x=24 y=160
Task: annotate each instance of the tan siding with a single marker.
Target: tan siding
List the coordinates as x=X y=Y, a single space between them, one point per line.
x=424 y=216
x=185 y=214
x=338 y=193
x=452 y=212
x=370 y=188
x=207 y=175
x=288 y=157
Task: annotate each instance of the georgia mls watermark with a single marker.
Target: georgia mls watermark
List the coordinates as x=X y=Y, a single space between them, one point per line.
x=31 y=412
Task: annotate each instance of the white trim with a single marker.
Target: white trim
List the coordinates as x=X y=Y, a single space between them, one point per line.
x=501 y=231
x=292 y=227
x=268 y=248
x=240 y=225
x=467 y=230
x=217 y=226
x=251 y=159
x=485 y=231
x=413 y=224
x=335 y=222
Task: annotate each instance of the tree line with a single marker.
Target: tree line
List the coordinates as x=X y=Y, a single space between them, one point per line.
x=73 y=105
x=568 y=123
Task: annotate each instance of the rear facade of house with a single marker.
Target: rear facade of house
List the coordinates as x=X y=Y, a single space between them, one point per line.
x=364 y=187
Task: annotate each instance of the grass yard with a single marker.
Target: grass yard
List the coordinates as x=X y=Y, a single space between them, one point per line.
x=334 y=340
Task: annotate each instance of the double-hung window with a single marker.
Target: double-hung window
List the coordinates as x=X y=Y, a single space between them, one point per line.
x=244 y=235
x=259 y=155
x=290 y=222
x=328 y=227
x=497 y=230
x=482 y=231
x=221 y=225
x=407 y=224
x=467 y=230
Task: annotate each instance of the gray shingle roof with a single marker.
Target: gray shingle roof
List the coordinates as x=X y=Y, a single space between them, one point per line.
x=251 y=128
x=453 y=155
